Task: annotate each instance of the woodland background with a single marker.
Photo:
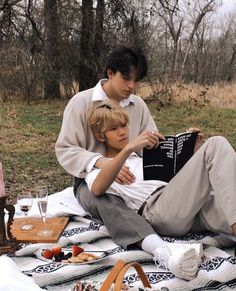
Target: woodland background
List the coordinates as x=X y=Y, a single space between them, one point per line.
x=51 y=49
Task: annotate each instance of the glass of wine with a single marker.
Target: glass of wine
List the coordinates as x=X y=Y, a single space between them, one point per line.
x=25 y=202
x=42 y=201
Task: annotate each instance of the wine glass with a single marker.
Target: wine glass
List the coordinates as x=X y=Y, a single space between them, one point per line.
x=25 y=202
x=42 y=201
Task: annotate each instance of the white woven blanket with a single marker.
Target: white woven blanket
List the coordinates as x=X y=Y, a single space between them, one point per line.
x=217 y=271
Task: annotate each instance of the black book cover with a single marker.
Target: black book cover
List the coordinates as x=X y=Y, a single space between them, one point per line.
x=169 y=157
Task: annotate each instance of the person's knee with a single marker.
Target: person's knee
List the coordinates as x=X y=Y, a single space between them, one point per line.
x=169 y=227
x=217 y=140
x=217 y=144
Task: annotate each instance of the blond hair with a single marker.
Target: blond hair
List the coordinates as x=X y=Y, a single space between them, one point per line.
x=105 y=114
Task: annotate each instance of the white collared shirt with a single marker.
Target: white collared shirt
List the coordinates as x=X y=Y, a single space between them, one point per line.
x=100 y=95
x=134 y=194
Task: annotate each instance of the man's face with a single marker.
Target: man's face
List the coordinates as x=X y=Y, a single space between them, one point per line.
x=121 y=86
x=116 y=137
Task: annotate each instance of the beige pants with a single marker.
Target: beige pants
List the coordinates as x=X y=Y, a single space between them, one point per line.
x=202 y=196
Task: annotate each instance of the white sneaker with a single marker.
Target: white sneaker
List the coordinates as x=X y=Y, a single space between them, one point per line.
x=181 y=259
x=199 y=250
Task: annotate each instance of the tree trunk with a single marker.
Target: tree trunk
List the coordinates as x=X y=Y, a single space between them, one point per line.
x=230 y=72
x=98 y=42
x=51 y=51
x=86 y=66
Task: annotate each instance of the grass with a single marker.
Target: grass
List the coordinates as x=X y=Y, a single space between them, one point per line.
x=29 y=132
x=28 y=135
x=212 y=121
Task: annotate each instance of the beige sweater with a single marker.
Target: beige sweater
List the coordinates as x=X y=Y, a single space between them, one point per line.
x=76 y=145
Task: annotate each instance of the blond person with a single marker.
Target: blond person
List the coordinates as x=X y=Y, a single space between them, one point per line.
x=206 y=184
x=109 y=123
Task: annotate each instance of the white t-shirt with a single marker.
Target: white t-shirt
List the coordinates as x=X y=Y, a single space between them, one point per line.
x=134 y=194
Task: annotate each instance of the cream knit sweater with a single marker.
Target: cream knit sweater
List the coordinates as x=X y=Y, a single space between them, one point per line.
x=76 y=145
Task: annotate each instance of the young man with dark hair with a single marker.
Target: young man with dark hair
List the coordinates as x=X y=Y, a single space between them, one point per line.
x=78 y=151
x=124 y=59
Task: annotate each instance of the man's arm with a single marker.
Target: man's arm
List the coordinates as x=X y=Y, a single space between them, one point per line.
x=110 y=171
x=76 y=146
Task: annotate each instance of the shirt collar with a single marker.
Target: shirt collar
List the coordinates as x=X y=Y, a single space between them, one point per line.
x=100 y=95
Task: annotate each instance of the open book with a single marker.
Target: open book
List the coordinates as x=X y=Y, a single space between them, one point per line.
x=169 y=157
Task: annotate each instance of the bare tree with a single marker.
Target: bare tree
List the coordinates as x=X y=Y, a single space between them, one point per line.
x=169 y=12
x=51 y=50
x=209 y=6
x=6 y=8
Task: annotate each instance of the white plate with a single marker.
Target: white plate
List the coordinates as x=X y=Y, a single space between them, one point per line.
x=100 y=254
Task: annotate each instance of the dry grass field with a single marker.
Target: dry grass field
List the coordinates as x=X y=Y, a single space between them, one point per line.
x=221 y=95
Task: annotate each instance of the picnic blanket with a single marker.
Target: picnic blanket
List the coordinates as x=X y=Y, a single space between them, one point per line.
x=217 y=271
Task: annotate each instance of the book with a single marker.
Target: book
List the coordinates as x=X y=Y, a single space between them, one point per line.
x=165 y=161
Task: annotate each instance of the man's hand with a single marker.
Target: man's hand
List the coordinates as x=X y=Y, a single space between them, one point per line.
x=147 y=139
x=200 y=137
x=125 y=177
x=155 y=136
x=193 y=129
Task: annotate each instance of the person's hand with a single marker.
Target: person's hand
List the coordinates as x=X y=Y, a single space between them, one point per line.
x=200 y=137
x=156 y=136
x=125 y=177
x=147 y=139
x=193 y=129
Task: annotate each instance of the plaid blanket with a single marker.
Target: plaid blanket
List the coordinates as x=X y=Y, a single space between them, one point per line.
x=217 y=271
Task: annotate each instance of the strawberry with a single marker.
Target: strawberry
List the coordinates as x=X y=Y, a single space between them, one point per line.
x=56 y=250
x=76 y=250
x=47 y=254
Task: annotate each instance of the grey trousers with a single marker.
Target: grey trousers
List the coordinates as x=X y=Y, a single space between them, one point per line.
x=125 y=226
x=202 y=196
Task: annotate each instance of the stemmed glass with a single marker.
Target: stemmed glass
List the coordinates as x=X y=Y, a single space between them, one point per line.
x=42 y=201
x=25 y=202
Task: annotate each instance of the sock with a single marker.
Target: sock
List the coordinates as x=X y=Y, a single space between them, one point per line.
x=151 y=242
x=181 y=259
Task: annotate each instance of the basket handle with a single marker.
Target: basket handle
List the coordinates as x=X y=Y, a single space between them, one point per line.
x=112 y=275
x=138 y=268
